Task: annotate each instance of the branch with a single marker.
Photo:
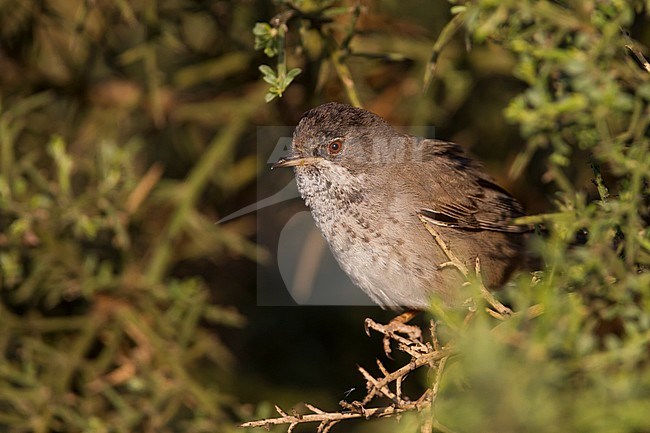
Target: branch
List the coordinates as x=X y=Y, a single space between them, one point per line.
x=632 y=46
x=387 y=385
x=446 y=36
x=326 y=419
x=498 y=310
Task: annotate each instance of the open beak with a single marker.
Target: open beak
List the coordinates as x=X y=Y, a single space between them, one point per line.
x=293 y=161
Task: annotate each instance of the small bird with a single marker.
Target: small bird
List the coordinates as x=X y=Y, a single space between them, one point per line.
x=368 y=186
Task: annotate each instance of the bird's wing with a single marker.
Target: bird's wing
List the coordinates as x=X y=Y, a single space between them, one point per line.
x=459 y=194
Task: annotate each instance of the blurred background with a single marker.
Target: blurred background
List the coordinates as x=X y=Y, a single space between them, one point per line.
x=127 y=129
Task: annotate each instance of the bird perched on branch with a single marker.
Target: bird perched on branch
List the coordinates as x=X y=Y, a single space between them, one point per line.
x=370 y=188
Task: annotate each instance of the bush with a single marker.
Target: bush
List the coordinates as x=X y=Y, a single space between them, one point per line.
x=106 y=150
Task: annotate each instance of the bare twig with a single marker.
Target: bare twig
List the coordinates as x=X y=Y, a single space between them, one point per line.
x=387 y=385
x=344 y=74
x=327 y=419
x=499 y=311
x=446 y=35
x=632 y=46
x=356 y=12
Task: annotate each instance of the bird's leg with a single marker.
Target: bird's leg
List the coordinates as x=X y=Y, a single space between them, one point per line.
x=403 y=319
x=399 y=330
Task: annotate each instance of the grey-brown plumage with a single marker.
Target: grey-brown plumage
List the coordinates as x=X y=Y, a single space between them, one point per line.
x=365 y=184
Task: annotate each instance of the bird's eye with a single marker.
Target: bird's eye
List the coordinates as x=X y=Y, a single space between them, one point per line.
x=335 y=146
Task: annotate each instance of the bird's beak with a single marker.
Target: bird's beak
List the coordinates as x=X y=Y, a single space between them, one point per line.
x=293 y=161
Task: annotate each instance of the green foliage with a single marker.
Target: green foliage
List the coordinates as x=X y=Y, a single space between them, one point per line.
x=106 y=150
x=271 y=40
x=268 y=39
x=87 y=342
x=583 y=364
x=279 y=83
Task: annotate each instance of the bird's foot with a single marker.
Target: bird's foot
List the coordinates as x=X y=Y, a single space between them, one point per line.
x=409 y=337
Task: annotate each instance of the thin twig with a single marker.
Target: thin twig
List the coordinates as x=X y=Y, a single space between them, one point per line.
x=446 y=35
x=344 y=74
x=500 y=311
x=356 y=12
x=422 y=360
x=631 y=45
x=421 y=355
x=329 y=417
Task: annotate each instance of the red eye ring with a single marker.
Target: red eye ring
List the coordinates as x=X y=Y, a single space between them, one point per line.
x=335 y=146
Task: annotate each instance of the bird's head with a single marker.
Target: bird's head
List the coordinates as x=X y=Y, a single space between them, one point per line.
x=335 y=134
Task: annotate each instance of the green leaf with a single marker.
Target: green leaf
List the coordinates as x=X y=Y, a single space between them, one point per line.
x=455 y=10
x=271 y=80
x=267 y=38
x=271 y=51
x=267 y=71
x=293 y=73
x=262 y=29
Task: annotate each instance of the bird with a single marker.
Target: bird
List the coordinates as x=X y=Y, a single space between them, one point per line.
x=371 y=189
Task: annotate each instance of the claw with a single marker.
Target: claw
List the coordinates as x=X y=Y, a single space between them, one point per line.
x=406 y=336
x=366 y=326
